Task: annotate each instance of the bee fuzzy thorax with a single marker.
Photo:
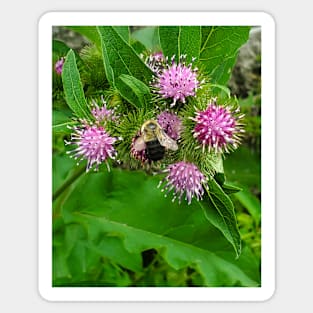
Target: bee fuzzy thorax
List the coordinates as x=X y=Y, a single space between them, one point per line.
x=154 y=141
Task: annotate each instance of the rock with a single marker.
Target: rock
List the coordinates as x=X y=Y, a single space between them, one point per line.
x=246 y=75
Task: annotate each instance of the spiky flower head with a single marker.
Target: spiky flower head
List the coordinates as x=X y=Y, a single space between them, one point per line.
x=184 y=178
x=171 y=124
x=218 y=127
x=59 y=66
x=155 y=61
x=101 y=113
x=138 y=155
x=93 y=143
x=177 y=81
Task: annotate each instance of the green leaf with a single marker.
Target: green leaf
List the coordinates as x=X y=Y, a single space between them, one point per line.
x=120 y=58
x=61 y=121
x=138 y=47
x=220 y=178
x=73 y=89
x=127 y=207
x=219 y=50
x=229 y=189
x=133 y=90
x=180 y=40
x=149 y=37
x=123 y=31
x=215 y=270
x=219 y=210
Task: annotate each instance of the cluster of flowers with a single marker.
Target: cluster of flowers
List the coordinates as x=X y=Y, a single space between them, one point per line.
x=216 y=128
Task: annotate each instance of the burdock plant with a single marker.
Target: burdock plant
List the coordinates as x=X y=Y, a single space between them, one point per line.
x=213 y=130
x=194 y=126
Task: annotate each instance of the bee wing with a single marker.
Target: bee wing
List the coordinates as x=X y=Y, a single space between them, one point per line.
x=165 y=140
x=139 y=144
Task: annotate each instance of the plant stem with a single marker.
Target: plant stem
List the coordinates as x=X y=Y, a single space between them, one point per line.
x=68 y=182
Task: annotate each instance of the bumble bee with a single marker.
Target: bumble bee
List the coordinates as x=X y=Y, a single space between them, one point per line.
x=154 y=140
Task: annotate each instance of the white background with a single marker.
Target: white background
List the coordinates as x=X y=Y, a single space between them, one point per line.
x=18 y=127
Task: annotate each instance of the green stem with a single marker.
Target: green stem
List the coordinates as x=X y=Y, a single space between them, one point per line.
x=68 y=182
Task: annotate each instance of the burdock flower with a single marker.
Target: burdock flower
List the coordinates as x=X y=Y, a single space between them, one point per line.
x=93 y=144
x=184 y=178
x=59 y=66
x=218 y=128
x=102 y=113
x=155 y=61
x=177 y=81
x=171 y=124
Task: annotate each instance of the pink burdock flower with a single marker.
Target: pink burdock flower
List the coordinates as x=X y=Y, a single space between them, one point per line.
x=93 y=144
x=138 y=154
x=171 y=124
x=102 y=113
x=177 y=81
x=59 y=66
x=184 y=178
x=218 y=127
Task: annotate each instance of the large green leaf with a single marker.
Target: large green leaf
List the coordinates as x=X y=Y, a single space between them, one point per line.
x=120 y=58
x=73 y=88
x=180 y=40
x=219 y=210
x=138 y=47
x=133 y=90
x=219 y=50
x=123 y=214
x=123 y=31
